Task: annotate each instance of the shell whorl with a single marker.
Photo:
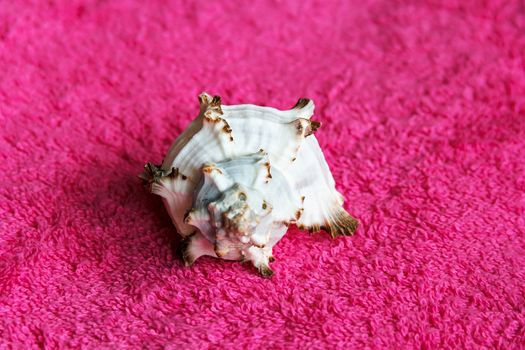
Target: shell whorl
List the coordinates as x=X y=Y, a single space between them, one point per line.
x=235 y=179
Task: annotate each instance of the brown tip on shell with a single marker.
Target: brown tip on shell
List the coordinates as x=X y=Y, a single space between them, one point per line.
x=184 y=251
x=264 y=205
x=299 y=127
x=174 y=172
x=301 y=103
x=311 y=128
x=299 y=213
x=218 y=252
x=267 y=166
x=341 y=224
x=265 y=271
x=208 y=116
x=209 y=168
x=203 y=98
x=314 y=125
x=271 y=259
x=216 y=101
x=306 y=127
x=314 y=228
x=152 y=173
x=302 y=199
x=227 y=129
x=215 y=104
x=187 y=215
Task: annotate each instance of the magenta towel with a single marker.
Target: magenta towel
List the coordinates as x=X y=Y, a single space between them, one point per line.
x=423 y=112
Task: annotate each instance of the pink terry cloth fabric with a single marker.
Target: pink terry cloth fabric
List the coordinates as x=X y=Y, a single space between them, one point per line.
x=423 y=112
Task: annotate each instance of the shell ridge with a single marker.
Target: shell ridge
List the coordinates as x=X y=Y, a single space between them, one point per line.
x=300 y=110
x=202 y=147
x=340 y=223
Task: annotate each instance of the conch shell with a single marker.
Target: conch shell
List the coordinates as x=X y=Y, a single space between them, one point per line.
x=238 y=176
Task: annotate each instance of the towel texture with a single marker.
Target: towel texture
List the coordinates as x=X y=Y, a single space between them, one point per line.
x=423 y=111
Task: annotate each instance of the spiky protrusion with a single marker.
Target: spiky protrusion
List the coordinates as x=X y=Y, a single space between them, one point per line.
x=210 y=105
x=306 y=127
x=265 y=271
x=301 y=103
x=183 y=251
x=340 y=224
x=152 y=173
x=193 y=247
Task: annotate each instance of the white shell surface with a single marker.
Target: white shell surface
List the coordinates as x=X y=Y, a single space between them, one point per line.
x=239 y=175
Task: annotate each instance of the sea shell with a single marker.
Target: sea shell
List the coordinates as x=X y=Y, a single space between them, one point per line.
x=239 y=175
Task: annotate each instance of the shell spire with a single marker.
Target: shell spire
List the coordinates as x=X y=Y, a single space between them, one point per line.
x=239 y=175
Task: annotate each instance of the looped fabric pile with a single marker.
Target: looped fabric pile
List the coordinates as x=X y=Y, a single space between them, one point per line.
x=423 y=112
